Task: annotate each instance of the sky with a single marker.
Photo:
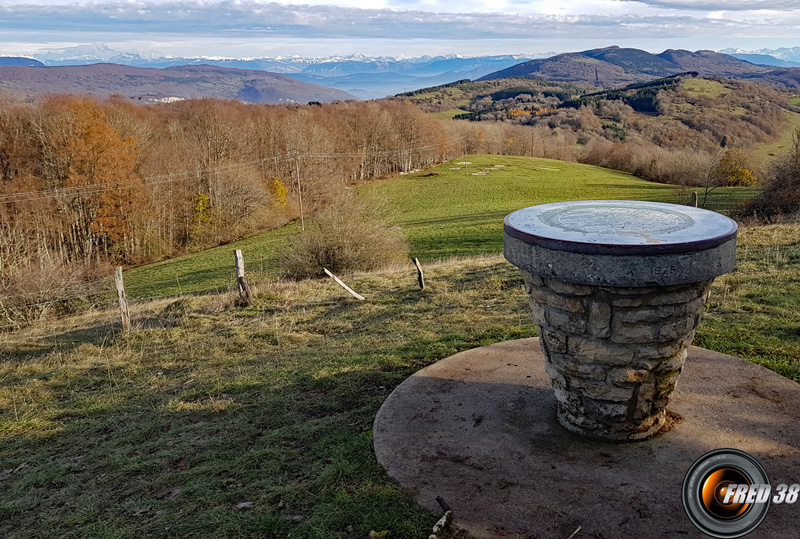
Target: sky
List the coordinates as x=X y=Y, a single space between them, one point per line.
x=252 y=28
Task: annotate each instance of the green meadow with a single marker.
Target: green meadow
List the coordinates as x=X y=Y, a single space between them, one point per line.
x=453 y=209
x=211 y=419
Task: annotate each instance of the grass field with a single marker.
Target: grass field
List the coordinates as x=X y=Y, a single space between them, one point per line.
x=753 y=313
x=710 y=88
x=445 y=211
x=766 y=151
x=447 y=114
x=164 y=431
x=212 y=420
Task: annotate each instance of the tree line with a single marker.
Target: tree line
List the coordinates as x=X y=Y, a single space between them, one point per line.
x=85 y=184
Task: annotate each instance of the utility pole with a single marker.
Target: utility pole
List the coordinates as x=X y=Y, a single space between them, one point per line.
x=299 y=188
x=466 y=163
x=531 y=141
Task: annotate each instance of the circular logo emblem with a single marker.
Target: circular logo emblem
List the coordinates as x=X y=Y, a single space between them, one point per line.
x=726 y=493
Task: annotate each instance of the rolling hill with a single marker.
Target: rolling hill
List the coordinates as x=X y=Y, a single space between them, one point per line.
x=766 y=60
x=710 y=63
x=19 y=61
x=615 y=66
x=153 y=85
x=788 y=77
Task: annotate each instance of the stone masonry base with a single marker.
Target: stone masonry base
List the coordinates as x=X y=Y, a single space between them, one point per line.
x=614 y=354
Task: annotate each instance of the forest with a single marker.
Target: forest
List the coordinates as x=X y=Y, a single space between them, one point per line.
x=86 y=184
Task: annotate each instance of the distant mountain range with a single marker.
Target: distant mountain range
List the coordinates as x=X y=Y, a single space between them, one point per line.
x=258 y=79
x=363 y=76
x=154 y=85
x=784 y=57
x=19 y=61
x=614 y=66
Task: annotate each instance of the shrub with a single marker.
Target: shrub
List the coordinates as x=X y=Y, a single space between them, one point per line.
x=349 y=235
x=781 y=196
x=34 y=293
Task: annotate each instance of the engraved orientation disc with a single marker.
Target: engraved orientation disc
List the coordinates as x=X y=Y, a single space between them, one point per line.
x=620 y=227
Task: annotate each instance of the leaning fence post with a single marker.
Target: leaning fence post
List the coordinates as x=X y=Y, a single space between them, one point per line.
x=420 y=276
x=341 y=283
x=123 y=302
x=244 y=288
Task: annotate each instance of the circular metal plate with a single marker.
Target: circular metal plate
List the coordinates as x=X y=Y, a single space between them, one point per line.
x=620 y=227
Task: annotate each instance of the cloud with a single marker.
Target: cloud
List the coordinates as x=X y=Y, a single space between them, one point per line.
x=441 y=23
x=729 y=5
x=229 y=17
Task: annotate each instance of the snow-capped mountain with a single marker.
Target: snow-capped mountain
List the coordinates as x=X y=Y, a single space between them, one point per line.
x=783 y=57
x=359 y=74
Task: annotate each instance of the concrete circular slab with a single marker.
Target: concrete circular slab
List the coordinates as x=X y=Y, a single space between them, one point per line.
x=479 y=429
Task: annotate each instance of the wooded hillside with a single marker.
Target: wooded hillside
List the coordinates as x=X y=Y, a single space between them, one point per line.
x=84 y=183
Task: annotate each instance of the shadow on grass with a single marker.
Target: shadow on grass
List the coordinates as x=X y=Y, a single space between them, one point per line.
x=172 y=460
x=39 y=346
x=484 y=217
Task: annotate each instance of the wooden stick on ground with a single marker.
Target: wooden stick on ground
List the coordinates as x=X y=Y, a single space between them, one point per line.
x=340 y=283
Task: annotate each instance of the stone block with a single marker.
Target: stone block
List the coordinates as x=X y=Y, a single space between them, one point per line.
x=570 y=367
x=538 y=313
x=666 y=383
x=682 y=294
x=554 y=372
x=579 y=423
x=627 y=375
x=566 y=322
x=629 y=301
x=550 y=299
x=672 y=364
x=599 y=319
x=649 y=314
x=532 y=281
x=676 y=329
x=553 y=341
x=588 y=372
x=631 y=333
x=599 y=351
x=643 y=406
x=601 y=391
x=663 y=350
x=610 y=410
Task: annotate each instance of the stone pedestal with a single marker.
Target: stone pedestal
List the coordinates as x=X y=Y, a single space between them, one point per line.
x=614 y=354
x=617 y=290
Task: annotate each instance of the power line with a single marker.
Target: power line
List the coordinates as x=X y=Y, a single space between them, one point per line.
x=85 y=288
x=76 y=286
x=188 y=174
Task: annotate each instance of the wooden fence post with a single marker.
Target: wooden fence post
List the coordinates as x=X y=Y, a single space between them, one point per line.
x=341 y=283
x=244 y=288
x=420 y=276
x=123 y=302
x=694 y=198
